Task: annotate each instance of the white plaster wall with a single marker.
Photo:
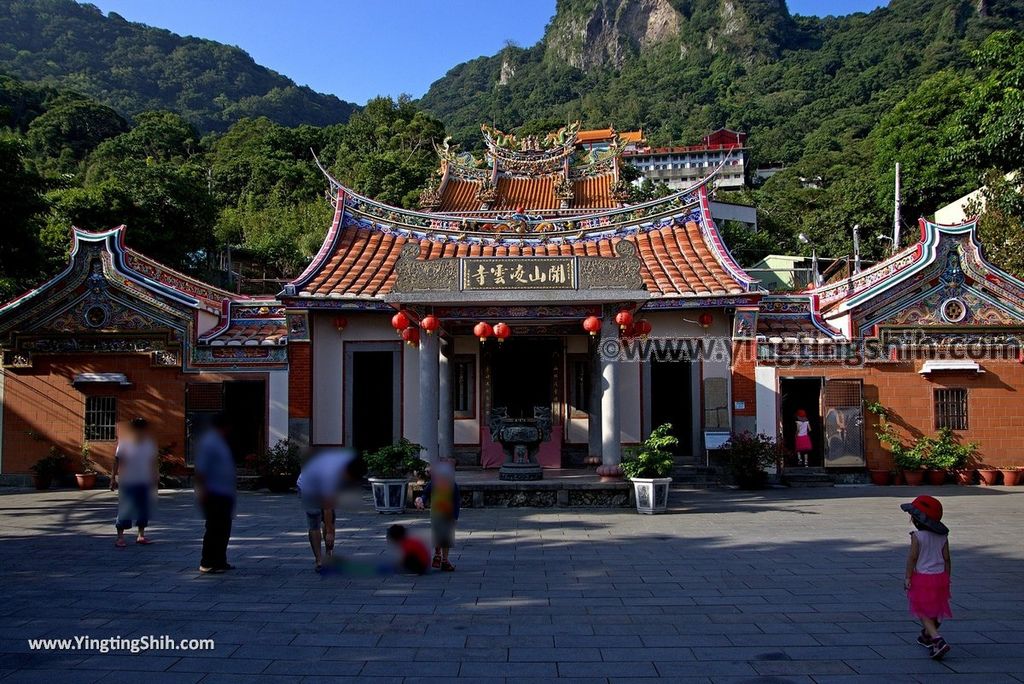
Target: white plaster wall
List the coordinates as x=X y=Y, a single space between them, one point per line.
x=329 y=369
x=277 y=398
x=576 y=429
x=766 y=395
x=629 y=402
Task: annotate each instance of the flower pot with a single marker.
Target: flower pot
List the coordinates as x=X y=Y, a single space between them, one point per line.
x=989 y=476
x=965 y=476
x=879 y=477
x=651 y=494
x=279 y=484
x=389 y=494
x=85 y=480
x=913 y=477
x=1011 y=476
x=936 y=477
x=41 y=482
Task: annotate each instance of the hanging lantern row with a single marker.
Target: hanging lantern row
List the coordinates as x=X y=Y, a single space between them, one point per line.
x=627 y=325
x=500 y=331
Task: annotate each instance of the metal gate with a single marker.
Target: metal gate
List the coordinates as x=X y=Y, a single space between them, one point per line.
x=842 y=409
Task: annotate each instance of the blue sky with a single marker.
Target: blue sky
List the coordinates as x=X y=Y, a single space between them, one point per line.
x=357 y=49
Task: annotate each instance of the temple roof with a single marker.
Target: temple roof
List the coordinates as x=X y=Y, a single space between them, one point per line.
x=792 y=318
x=680 y=252
x=249 y=323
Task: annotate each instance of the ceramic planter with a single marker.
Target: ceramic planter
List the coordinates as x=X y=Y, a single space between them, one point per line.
x=913 y=478
x=389 y=494
x=85 y=480
x=936 y=477
x=1011 y=476
x=965 y=476
x=879 y=477
x=989 y=476
x=651 y=494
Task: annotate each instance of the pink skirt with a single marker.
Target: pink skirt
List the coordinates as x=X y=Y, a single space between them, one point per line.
x=929 y=596
x=802 y=444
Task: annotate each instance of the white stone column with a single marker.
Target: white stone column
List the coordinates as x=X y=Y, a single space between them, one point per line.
x=594 y=415
x=429 y=388
x=611 y=445
x=277 y=412
x=446 y=422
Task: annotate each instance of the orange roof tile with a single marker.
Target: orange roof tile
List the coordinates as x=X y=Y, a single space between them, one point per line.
x=459 y=195
x=593 y=193
x=532 y=194
x=602 y=134
x=675 y=261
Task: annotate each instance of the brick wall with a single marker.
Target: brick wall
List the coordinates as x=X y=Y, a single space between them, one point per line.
x=744 y=387
x=41 y=401
x=300 y=380
x=995 y=418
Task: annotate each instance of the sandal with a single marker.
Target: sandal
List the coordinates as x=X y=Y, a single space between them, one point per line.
x=120 y=543
x=436 y=563
x=447 y=566
x=143 y=541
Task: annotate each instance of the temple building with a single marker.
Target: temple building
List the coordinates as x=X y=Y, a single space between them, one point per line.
x=933 y=334
x=494 y=281
x=116 y=336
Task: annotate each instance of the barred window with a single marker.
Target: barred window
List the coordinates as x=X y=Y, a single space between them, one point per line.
x=100 y=419
x=951 y=409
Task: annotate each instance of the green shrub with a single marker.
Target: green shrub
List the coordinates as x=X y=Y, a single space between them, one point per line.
x=51 y=465
x=395 y=460
x=654 y=457
x=748 y=457
x=282 y=459
x=946 y=453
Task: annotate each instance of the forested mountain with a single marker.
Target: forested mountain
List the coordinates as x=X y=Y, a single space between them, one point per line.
x=818 y=96
x=134 y=68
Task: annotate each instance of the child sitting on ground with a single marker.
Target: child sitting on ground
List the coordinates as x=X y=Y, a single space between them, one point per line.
x=442 y=496
x=413 y=554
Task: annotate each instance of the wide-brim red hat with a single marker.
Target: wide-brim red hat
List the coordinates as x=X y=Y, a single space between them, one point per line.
x=927 y=510
x=800 y=413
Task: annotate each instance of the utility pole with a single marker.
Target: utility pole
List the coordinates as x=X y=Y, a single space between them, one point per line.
x=856 y=248
x=896 y=214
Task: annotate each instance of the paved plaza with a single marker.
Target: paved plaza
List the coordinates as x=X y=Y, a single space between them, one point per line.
x=776 y=586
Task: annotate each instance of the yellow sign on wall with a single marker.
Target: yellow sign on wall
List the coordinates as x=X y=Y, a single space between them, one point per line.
x=519 y=273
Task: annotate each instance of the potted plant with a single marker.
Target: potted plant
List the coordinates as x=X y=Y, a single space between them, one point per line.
x=47 y=468
x=389 y=468
x=1011 y=476
x=946 y=455
x=648 y=467
x=86 y=478
x=879 y=476
x=748 y=457
x=280 y=466
x=989 y=476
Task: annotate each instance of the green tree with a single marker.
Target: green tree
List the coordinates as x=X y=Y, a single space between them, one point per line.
x=68 y=131
x=20 y=198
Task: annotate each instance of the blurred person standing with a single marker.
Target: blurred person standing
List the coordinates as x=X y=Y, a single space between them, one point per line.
x=216 y=493
x=323 y=476
x=135 y=476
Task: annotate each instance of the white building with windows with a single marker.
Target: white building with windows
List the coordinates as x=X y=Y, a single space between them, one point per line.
x=681 y=166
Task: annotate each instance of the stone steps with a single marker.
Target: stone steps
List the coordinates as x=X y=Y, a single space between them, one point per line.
x=807 y=477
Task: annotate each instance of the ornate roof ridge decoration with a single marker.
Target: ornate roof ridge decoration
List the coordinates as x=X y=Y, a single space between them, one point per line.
x=255 y=322
x=554 y=144
x=138 y=269
x=799 y=308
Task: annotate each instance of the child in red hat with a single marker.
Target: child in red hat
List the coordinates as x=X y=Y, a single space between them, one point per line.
x=928 y=567
x=802 y=444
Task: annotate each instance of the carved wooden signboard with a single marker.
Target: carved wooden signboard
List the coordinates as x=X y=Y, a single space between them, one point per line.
x=518 y=273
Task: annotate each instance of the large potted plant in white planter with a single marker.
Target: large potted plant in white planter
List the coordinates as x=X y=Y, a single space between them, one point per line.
x=389 y=468
x=648 y=466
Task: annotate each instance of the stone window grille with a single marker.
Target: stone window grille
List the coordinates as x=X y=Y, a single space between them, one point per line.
x=100 y=419
x=951 y=409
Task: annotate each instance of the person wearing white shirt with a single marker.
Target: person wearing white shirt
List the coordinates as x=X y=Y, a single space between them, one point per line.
x=135 y=477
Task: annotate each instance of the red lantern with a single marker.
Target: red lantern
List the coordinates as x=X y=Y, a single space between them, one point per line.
x=340 y=322
x=592 y=324
x=706 y=319
x=483 y=331
x=643 y=328
x=411 y=335
x=400 y=321
x=430 y=324
x=624 y=319
x=629 y=332
x=501 y=331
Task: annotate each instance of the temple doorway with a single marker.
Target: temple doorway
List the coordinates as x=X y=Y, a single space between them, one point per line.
x=372 y=406
x=523 y=374
x=796 y=394
x=670 y=400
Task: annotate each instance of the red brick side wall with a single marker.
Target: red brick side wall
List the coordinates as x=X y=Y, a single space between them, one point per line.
x=300 y=379
x=744 y=387
x=42 y=402
x=994 y=403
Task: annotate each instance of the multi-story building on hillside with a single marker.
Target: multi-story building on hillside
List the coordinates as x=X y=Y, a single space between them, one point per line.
x=680 y=166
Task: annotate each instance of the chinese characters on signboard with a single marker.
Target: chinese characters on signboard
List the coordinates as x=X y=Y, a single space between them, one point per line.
x=519 y=273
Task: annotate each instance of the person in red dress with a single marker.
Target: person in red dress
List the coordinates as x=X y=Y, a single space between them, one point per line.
x=927 y=575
